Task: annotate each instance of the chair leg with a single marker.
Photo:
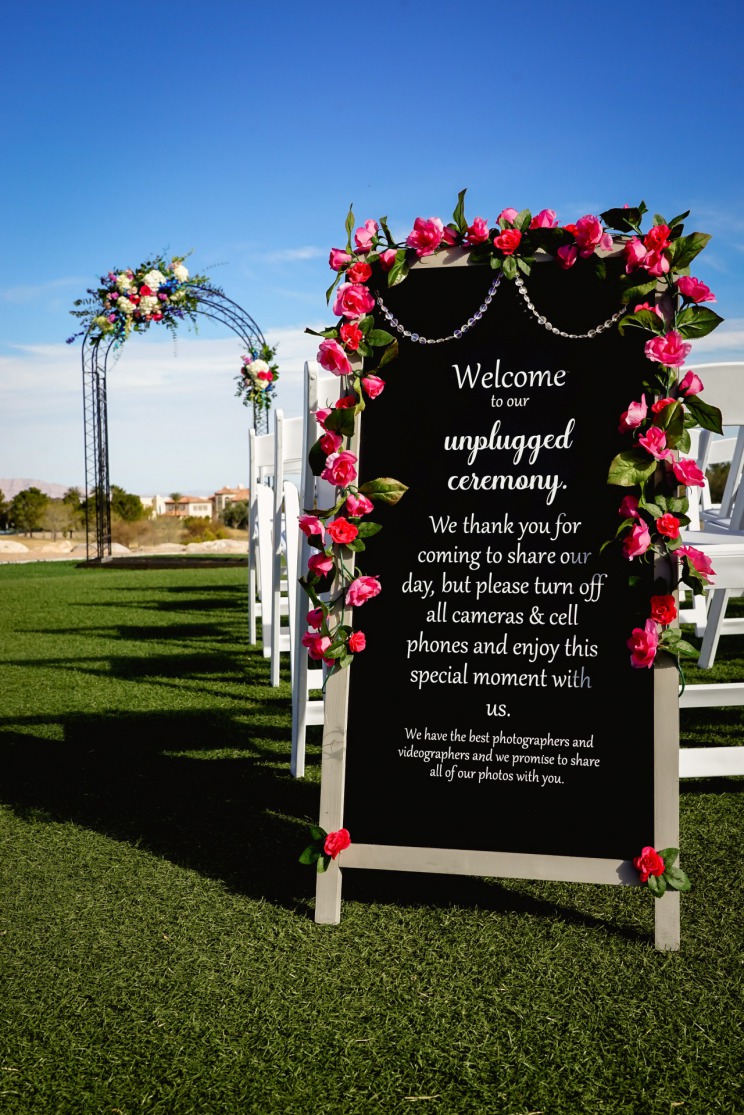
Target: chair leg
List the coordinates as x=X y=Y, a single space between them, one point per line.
x=716 y=611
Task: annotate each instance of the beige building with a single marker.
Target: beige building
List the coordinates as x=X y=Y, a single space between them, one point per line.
x=196 y=507
x=228 y=495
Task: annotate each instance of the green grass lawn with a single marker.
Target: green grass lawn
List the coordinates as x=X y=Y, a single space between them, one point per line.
x=156 y=934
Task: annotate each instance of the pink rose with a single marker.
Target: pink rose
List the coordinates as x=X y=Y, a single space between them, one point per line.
x=315 y=618
x=643 y=644
x=358 y=505
x=656 y=263
x=663 y=609
x=362 y=589
x=351 y=335
x=590 y=235
x=507 y=216
x=699 y=561
x=321 y=414
x=330 y=442
x=311 y=524
x=320 y=563
x=687 y=473
x=566 y=256
x=508 y=240
x=387 y=258
x=637 y=540
x=691 y=384
x=359 y=272
x=333 y=358
x=635 y=253
x=451 y=236
x=668 y=526
x=346 y=402
x=340 y=469
x=662 y=404
x=654 y=442
x=268 y=375
x=477 y=232
x=657 y=238
x=338 y=259
x=670 y=349
x=353 y=300
x=373 y=385
x=316 y=645
x=694 y=290
x=364 y=236
x=648 y=863
x=546 y=218
x=647 y=306
x=629 y=508
x=633 y=416
x=357 y=641
x=426 y=236
x=342 y=531
x=336 y=842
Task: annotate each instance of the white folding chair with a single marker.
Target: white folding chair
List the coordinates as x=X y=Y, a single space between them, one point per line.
x=288 y=447
x=320 y=390
x=260 y=508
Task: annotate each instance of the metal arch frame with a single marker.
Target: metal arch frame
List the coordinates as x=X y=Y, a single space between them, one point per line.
x=212 y=303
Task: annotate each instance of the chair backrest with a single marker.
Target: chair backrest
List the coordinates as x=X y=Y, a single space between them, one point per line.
x=723 y=387
x=260 y=469
x=289 y=435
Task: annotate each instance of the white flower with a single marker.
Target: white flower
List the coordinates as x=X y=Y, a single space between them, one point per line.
x=125 y=306
x=179 y=271
x=257 y=366
x=148 y=303
x=178 y=296
x=154 y=279
x=124 y=281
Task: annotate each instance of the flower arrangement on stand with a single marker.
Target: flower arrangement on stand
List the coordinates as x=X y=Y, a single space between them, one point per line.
x=129 y=300
x=258 y=378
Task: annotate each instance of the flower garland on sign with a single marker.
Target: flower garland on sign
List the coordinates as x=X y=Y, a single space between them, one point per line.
x=659 y=297
x=324 y=847
x=258 y=378
x=656 y=870
x=129 y=300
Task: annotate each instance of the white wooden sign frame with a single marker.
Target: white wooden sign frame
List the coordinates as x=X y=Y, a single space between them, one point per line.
x=455 y=861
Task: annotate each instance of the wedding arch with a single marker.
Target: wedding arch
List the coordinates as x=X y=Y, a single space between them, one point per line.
x=129 y=301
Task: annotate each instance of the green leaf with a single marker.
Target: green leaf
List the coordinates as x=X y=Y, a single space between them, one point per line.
x=317 y=459
x=366 y=530
x=379 y=337
x=495 y=263
x=317 y=832
x=385 y=489
x=332 y=287
x=657 y=885
x=399 y=271
x=623 y=220
x=697 y=321
x=323 y=862
x=366 y=323
x=329 y=334
x=669 y=855
x=707 y=416
x=677 y=879
x=631 y=467
x=686 y=248
x=522 y=220
x=310 y=854
x=388 y=355
x=341 y=420
x=386 y=230
x=687 y=650
x=676 y=222
x=459 y=214
x=510 y=267
x=549 y=239
x=356 y=545
x=638 y=291
x=524 y=264
x=349 y=226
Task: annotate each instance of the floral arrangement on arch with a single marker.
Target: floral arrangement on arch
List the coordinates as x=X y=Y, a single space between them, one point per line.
x=660 y=299
x=128 y=301
x=258 y=378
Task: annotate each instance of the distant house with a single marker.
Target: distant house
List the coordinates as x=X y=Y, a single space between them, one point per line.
x=196 y=507
x=229 y=495
x=155 y=504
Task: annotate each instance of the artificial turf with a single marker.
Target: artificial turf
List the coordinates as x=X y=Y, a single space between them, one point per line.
x=156 y=937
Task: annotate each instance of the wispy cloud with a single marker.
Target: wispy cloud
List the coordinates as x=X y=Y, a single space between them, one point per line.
x=38 y=291
x=292 y=255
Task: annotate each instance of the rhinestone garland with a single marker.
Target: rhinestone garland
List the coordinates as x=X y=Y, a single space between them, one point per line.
x=519 y=282
x=456 y=335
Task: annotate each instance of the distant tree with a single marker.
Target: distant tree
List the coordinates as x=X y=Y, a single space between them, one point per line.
x=4 y=508
x=235 y=515
x=59 y=517
x=175 y=496
x=27 y=509
x=126 y=506
x=73 y=499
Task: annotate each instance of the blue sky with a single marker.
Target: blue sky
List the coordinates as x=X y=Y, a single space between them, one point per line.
x=242 y=132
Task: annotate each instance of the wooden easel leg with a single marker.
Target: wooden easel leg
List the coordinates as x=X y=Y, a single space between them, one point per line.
x=666 y=922
x=328 y=896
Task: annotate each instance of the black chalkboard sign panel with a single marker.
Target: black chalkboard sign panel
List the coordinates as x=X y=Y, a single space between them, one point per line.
x=495 y=707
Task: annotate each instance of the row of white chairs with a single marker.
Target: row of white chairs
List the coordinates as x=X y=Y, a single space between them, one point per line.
x=282 y=486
